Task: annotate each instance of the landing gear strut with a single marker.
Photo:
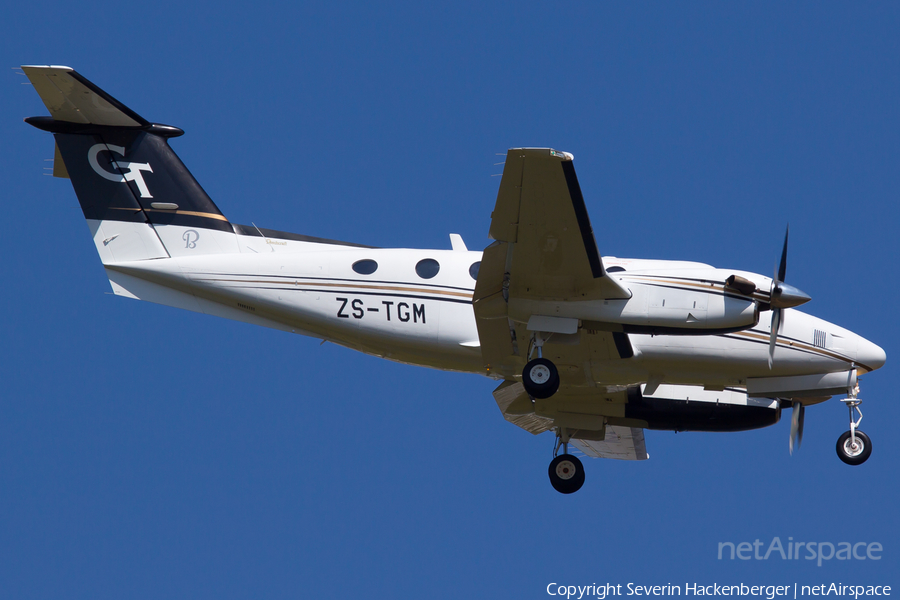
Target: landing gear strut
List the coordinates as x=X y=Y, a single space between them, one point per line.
x=854 y=447
x=540 y=377
x=566 y=471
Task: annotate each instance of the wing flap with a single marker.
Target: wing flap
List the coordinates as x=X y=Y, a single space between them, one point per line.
x=515 y=405
x=621 y=443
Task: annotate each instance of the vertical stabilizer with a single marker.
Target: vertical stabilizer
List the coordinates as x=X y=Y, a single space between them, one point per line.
x=139 y=199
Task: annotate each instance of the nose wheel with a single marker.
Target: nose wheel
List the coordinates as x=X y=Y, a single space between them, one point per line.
x=566 y=471
x=854 y=447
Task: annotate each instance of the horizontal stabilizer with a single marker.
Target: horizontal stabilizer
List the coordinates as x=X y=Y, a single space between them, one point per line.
x=73 y=99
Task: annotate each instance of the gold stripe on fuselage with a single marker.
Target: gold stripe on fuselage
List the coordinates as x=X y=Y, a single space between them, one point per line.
x=189 y=213
x=798 y=345
x=386 y=288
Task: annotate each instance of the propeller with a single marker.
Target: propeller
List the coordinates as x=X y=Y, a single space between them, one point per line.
x=796 y=424
x=781 y=296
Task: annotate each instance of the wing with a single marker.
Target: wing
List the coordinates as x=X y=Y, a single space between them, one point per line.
x=544 y=250
x=541 y=216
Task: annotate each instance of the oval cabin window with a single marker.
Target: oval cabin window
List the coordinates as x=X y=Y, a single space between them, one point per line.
x=427 y=268
x=365 y=267
x=473 y=270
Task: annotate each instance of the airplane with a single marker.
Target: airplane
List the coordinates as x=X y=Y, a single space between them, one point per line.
x=594 y=349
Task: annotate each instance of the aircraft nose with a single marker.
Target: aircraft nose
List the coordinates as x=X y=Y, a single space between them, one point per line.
x=870 y=355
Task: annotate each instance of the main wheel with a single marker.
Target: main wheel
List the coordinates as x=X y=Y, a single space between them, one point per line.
x=854 y=454
x=540 y=378
x=566 y=474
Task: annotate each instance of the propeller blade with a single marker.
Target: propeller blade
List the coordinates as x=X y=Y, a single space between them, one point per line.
x=773 y=336
x=781 y=296
x=782 y=268
x=797 y=424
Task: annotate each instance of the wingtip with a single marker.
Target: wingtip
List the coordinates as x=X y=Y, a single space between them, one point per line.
x=59 y=67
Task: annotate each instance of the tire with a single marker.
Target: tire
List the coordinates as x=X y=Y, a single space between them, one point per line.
x=854 y=456
x=566 y=474
x=540 y=378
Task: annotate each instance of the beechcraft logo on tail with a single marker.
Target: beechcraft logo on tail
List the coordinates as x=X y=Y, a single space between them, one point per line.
x=131 y=171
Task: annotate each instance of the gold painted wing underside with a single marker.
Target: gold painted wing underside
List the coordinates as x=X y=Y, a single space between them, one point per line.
x=544 y=250
x=540 y=211
x=572 y=409
x=622 y=443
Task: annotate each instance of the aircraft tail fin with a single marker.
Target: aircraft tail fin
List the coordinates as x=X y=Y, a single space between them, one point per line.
x=139 y=199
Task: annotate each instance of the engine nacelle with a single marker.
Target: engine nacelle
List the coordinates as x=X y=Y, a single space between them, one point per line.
x=679 y=312
x=652 y=309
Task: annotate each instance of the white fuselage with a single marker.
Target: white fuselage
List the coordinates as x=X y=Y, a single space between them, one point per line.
x=312 y=289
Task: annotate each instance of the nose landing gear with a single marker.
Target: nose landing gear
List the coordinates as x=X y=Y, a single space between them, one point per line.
x=854 y=447
x=566 y=471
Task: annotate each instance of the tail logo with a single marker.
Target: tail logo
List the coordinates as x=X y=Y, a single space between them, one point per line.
x=131 y=171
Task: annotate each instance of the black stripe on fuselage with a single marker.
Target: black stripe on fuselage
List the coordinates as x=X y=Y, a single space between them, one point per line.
x=357 y=293
x=340 y=279
x=815 y=352
x=829 y=352
x=584 y=222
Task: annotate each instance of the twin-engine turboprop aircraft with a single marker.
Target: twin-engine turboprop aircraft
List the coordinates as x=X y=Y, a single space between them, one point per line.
x=595 y=349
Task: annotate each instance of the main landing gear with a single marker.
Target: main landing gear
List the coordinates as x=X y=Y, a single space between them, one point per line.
x=540 y=376
x=566 y=471
x=854 y=447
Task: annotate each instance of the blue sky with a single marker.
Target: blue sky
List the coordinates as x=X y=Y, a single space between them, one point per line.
x=147 y=452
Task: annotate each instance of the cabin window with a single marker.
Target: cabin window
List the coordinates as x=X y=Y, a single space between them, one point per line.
x=473 y=270
x=365 y=266
x=427 y=268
